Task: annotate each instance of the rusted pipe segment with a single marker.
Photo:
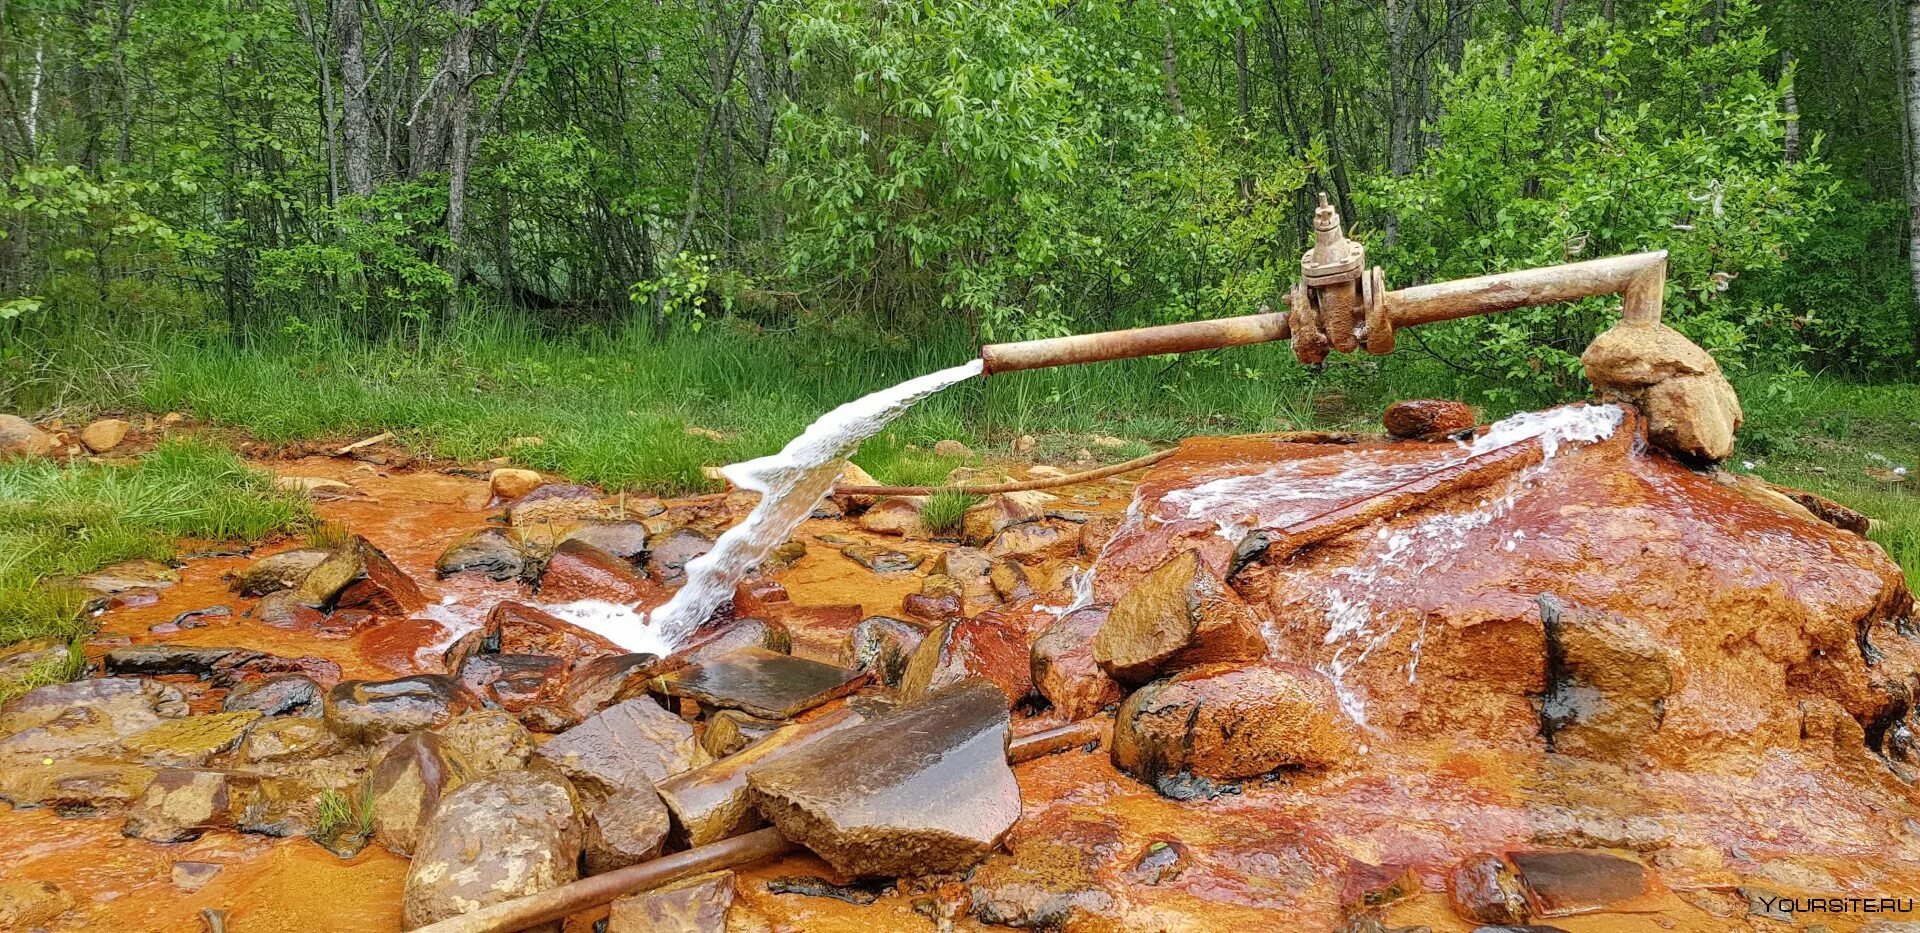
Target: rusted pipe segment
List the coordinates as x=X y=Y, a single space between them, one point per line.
x=1022 y=486
x=1639 y=278
x=1127 y=344
x=586 y=893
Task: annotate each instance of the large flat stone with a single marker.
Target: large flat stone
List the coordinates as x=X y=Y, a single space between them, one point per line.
x=760 y=682
x=630 y=744
x=923 y=789
x=711 y=803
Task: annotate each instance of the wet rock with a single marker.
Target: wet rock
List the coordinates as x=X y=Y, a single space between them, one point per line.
x=760 y=682
x=668 y=562
x=696 y=905
x=181 y=804
x=74 y=785
x=277 y=695
x=1064 y=670
x=193 y=741
x=1034 y=542
x=730 y=730
x=968 y=567
x=19 y=438
x=714 y=640
x=851 y=474
x=595 y=684
x=512 y=482
x=240 y=669
x=25 y=905
x=517 y=628
x=711 y=802
x=122 y=577
x=1010 y=581
x=408 y=784
x=882 y=646
x=325 y=581
x=191 y=619
x=1608 y=680
x=104 y=435
x=630 y=827
x=276 y=572
x=381 y=588
x=1427 y=418
x=578 y=570
x=1158 y=865
x=1178 y=615
x=1566 y=882
x=368 y=710
x=515 y=682
x=980 y=647
x=490 y=551
x=1485 y=889
x=1691 y=409
x=158 y=660
x=487 y=741
x=630 y=744
x=626 y=540
x=1049 y=880
x=497 y=838
x=557 y=504
x=758 y=595
x=1231 y=721
x=984 y=521
x=923 y=789
x=859 y=892
x=894 y=516
x=882 y=560
x=121 y=705
x=286 y=738
x=933 y=607
x=192 y=876
x=283 y=609
x=1095 y=533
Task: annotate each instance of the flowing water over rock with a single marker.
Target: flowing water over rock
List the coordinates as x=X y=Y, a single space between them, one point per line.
x=791 y=485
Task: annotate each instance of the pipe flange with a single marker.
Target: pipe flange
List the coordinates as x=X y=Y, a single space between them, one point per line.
x=1309 y=342
x=1379 y=322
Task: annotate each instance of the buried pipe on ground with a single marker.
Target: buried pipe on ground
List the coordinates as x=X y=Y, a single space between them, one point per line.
x=587 y=893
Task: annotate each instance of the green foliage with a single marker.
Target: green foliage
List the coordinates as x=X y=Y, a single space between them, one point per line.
x=944 y=511
x=1604 y=141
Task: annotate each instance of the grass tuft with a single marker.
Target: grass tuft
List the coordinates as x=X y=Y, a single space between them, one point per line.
x=944 y=511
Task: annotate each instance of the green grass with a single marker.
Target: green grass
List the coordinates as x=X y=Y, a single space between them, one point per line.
x=58 y=518
x=943 y=511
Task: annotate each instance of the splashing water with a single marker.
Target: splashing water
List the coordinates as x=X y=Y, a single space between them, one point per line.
x=791 y=484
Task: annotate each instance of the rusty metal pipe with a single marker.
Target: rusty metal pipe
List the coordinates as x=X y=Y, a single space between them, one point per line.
x=1639 y=278
x=587 y=893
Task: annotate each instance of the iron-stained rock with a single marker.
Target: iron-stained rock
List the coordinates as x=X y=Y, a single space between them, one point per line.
x=711 y=803
x=668 y=561
x=1484 y=888
x=286 y=738
x=882 y=645
x=760 y=682
x=276 y=695
x=192 y=741
x=74 y=785
x=123 y=705
x=515 y=682
x=1049 y=880
x=629 y=744
x=488 y=740
x=1034 y=542
x=490 y=551
x=1427 y=417
x=277 y=572
x=625 y=539
x=1229 y=721
x=158 y=660
x=181 y=804
x=626 y=829
x=730 y=730
x=408 y=784
x=696 y=905
x=593 y=685
x=923 y=789
x=1608 y=680
x=523 y=629
x=1064 y=670
x=382 y=588
x=369 y=710
x=578 y=570
x=27 y=905
x=1565 y=882
x=497 y=838
x=893 y=516
x=1178 y=615
x=881 y=559
x=980 y=647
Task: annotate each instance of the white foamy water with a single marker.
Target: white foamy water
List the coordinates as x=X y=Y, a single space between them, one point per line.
x=616 y=622
x=1397 y=559
x=791 y=484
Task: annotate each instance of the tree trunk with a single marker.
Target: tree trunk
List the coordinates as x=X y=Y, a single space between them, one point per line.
x=1169 y=63
x=357 y=125
x=457 y=72
x=1911 y=86
x=1400 y=101
x=1243 y=106
x=1789 y=109
x=1558 y=21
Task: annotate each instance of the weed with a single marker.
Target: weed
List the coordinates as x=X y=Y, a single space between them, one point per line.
x=944 y=511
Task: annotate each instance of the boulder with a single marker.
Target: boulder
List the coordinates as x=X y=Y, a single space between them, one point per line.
x=407 y=785
x=1695 y=416
x=630 y=744
x=1064 y=670
x=368 y=710
x=115 y=705
x=1629 y=357
x=104 y=435
x=730 y=730
x=487 y=741
x=75 y=784
x=1427 y=418
x=512 y=482
x=595 y=684
x=984 y=521
x=162 y=659
x=981 y=647
x=496 y=838
x=716 y=639
x=515 y=682
x=325 y=581
x=181 y=804
x=275 y=572
x=242 y=668
x=881 y=645
x=667 y=563
x=276 y=695
x=517 y=628
x=1608 y=680
x=695 y=905
x=578 y=570
x=19 y=438
x=1178 y=615
x=1484 y=888
x=490 y=551
x=894 y=516
x=759 y=682
x=1034 y=542
x=1691 y=408
x=1050 y=878
x=711 y=802
x=626 y=539
x=1226 y=722
x=192 y=741
x=627 y=828
x=282 y=609
x=286 y=738
x=923 y=789
x=970 y=568
x=557 y=504
x=1010 y=580
x=382 y=588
